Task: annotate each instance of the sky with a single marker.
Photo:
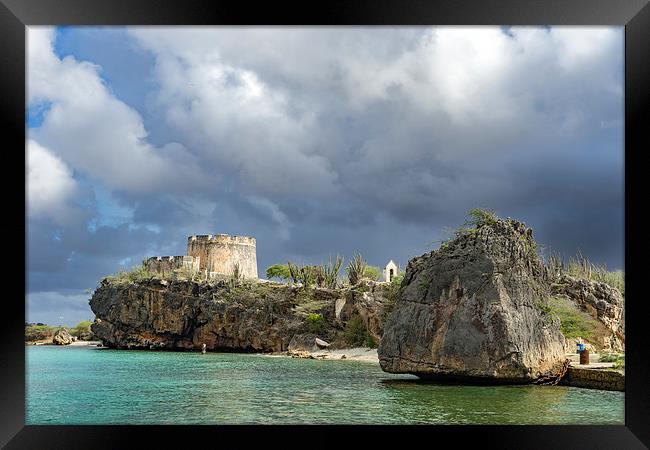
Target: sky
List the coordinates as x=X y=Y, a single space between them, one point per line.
x=316 y=141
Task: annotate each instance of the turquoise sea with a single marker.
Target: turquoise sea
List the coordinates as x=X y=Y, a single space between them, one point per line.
x=91 y=385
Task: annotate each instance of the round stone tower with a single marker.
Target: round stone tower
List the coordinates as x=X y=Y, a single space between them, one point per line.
x=219 y=253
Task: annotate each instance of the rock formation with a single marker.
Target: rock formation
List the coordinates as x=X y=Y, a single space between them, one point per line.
x=62 y=337
x=308 y=342
x=601 y=302
x=251 y=316
x=476 y=309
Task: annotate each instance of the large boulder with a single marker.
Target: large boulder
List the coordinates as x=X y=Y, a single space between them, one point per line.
x=303 y=342
x=62 y=337
x=476 y=309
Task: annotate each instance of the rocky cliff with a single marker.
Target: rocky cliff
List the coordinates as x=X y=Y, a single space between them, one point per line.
x=248 y=316
x=602 y=302
x=476 y=309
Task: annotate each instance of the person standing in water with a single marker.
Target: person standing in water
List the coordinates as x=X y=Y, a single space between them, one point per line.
x=203 y=349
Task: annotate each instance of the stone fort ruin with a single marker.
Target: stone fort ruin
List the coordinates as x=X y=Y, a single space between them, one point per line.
x=211 y=255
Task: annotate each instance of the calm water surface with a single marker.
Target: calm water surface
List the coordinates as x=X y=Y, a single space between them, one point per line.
x=89 y=385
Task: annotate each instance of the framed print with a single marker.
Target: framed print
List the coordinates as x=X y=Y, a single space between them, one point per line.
x=361 y=217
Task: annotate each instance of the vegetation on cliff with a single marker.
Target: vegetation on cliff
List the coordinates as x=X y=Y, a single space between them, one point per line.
x=356 y=334
x=581 y=267
x=326 y=275
x=617 y=358
x=315 y=322
x=40 y=332
x=573 y=322
x=356 y=269
x=279 y=271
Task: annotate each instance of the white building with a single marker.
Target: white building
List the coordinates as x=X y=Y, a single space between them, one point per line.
x=391 y=271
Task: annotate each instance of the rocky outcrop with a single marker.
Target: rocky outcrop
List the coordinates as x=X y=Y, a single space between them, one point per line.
x=86 y=336
x=600 y=301
x=369 y=300
x=476 y=309
x=303 y=342
x=62 y=337
x=251 y=316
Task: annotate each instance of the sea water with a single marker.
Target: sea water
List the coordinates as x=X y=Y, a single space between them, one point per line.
x=91 y=385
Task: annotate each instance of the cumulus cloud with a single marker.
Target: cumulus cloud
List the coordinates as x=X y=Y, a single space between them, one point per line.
x=236 y=121
x=95 y=132
x=50 y=186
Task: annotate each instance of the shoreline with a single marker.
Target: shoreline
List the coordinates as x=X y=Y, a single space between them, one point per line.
x=72 y=344
x=344 y=354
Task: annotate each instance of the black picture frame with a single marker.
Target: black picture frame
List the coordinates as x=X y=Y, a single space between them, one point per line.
x=15 y=15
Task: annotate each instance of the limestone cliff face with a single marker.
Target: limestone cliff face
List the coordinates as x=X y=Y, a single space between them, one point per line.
x=475 y=309
x=600 y=301
x=252 y=316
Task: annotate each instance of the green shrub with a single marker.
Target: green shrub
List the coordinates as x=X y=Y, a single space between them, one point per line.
x=373 y=272
x=392 y=295
x=620 y=364
x=545 y=309
x=302 y=274
x=355 y=333
x=394 y=288
x=573 y=323
x=82 y=327
x=134 y=275
x=579 y=266
x=236 y=278
x=315 y=322
x=139 y=273
x=280 y=271
x=330 y=272
x=356 y=269
x=183 y=274
x=610 y=357
x=479 y=217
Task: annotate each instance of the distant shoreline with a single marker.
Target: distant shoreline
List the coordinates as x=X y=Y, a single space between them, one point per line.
x=72 y=344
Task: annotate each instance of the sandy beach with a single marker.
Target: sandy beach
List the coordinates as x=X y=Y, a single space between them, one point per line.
x=85 y=343
x=346 y=354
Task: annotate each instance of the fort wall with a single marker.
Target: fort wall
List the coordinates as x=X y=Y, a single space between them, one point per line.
x=165 y=265
x=219 y=253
